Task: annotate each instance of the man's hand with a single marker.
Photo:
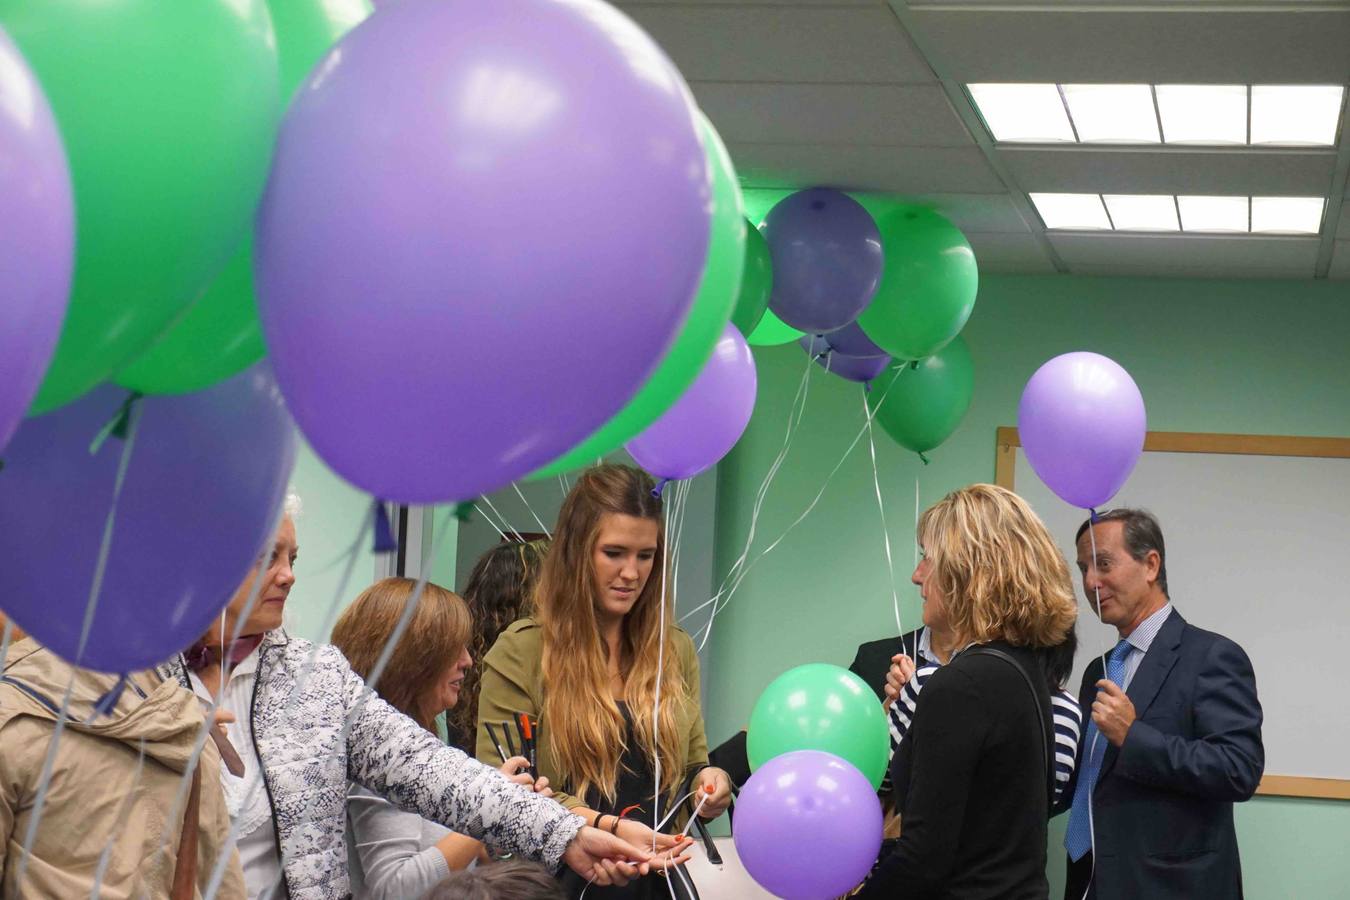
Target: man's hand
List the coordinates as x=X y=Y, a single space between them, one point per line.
x=604 y=858
x=720 y=796
x=1112 y=712
x=899 y=674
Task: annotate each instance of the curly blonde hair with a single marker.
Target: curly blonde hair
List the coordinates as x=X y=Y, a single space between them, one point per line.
x=998 y=571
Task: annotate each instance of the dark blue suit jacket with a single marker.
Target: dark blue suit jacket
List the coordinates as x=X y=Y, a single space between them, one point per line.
x=1163 y=804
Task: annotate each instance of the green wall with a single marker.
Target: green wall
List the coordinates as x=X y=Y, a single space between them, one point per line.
x=1252 y=356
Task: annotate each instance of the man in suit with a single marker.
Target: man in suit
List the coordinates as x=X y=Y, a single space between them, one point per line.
x=1174 y=739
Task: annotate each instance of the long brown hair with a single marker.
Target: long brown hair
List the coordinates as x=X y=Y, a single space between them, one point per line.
x=500 y=591
x=431 y=643
x=585 y=725
x=1000 y=574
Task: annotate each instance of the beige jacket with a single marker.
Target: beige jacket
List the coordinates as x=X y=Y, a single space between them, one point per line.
x=104 y=795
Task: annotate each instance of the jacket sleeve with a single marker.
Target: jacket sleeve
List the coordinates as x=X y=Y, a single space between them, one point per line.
x=388 y=842
x=696 y=753
x=12 y=782
x=391 y=755
x=1227 y=758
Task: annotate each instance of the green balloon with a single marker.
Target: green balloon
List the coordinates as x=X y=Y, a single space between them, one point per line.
x=772 y=331
x=168 y=111
x=220 y=335
x=756 y=283
x=925 y=401
x=707 y=318
x=820 y=707
x=928 y=287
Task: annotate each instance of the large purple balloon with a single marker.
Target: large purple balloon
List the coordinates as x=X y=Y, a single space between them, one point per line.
x=1082 y=424
x=853 y=368
x=808 y=826
x=37 y=236
x=827 y=259
x=205 y=481
x=458 y=268
x=708 y=419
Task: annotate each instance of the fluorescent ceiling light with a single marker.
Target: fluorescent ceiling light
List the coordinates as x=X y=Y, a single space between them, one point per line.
x=1072 y=211
x=1213 y=213
x=1142 y=212
x=1119 y=113
x=1203 y=114
x=1287 y=215
x=1023 y=112
x=1295 y=114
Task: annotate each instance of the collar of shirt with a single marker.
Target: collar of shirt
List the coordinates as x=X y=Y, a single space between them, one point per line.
x=1140 y=640
x=924 y=652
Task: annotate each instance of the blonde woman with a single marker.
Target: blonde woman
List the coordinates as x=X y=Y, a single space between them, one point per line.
x=588 y=665
x=974 y=776
x=392 y=854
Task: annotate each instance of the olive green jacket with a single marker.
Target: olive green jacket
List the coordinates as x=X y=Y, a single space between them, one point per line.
x=513 y=681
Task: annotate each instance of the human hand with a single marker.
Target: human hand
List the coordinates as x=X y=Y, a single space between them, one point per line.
x=899 y=674
x=604 y=858
x=669 y=849
x=1112 y=712
x=517 y=770
x=719 y=798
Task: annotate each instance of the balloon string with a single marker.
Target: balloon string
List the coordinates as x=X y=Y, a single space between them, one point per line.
x=506 y=526
x=881 y=508
x=501 y=529
x=5 y=640
x=119 y=425
x=915 y=655
x=538 y=521
x=723 y=597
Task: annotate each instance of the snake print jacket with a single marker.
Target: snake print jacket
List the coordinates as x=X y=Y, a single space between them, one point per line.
x=316 y=730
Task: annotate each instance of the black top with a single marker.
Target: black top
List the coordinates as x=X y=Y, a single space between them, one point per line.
x=971 y=786
x=637 y=780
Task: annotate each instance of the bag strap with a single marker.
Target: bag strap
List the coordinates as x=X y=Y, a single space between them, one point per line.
x=1046 y=734
x=185 y=866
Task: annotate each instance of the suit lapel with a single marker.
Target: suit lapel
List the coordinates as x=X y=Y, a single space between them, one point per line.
x=1153 y=671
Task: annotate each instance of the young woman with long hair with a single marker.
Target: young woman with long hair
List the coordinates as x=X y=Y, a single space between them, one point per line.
x=612 y=678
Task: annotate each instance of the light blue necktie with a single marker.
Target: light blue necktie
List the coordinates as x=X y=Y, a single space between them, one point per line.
x=1078 y=837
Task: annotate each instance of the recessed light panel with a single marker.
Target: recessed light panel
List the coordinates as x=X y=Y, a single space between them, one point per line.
x=1295 y=114
x=1203 y=114
x=1142 y=212
x=1072 y=211
x=1023 y=112
x=1287 y=215
x=1113 y=113
x=1225 y=214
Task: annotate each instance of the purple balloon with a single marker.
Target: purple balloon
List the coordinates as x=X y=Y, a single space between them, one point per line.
x=708 y=419
x=458 y=274
x=37 y=236
x=851 y=340
x=1082 y=424
x=808 y=826
x=203 y=487
x=853 y=368
x=827 y=259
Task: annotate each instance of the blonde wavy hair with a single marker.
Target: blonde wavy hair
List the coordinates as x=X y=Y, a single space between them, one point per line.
x=998 y=571
x=586 y=728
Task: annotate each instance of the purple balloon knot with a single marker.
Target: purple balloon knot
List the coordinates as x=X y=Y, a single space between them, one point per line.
x=867 y=387
x=660 y=487
x=119 y=425
x=108 y=702
x=384 y=532
x=1093 y=517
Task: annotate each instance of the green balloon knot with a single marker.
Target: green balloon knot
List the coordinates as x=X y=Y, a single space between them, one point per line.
x=119 y=426
x=463 y=510
x=924 y=458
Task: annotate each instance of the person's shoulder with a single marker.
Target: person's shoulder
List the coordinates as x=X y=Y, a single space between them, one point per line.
x=1202 y=643
x=520 y=641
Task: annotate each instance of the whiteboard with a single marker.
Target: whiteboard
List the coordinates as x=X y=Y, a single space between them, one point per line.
x=1258 y=550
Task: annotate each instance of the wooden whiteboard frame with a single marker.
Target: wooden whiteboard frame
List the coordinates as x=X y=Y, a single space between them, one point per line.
x=1005 y=467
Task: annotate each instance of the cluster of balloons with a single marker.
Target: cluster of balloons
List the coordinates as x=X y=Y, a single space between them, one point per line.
x=870 y=300
x=818 y=746
x=1082 y=424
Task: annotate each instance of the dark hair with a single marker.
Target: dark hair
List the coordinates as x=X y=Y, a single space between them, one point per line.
x=512 y=880
x=500 y=591
x=1058 y=660
x=1142 y=533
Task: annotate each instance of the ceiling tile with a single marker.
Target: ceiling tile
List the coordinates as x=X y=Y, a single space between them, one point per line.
x=1192 y=270
x=1235 y=253
x=784 y=43
x=1019 y=253
x=1155 y=44
x=903 y=170
x=832 y=114
x=1238 y=172
x=1340 y=262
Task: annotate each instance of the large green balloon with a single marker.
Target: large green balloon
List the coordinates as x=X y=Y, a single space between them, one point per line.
x=928 y=287
x=220 y=335
x=820 y=707
x=169 y=111
x=756 y=283
x=924 y=402
x=772 y=331
x=694 y=345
